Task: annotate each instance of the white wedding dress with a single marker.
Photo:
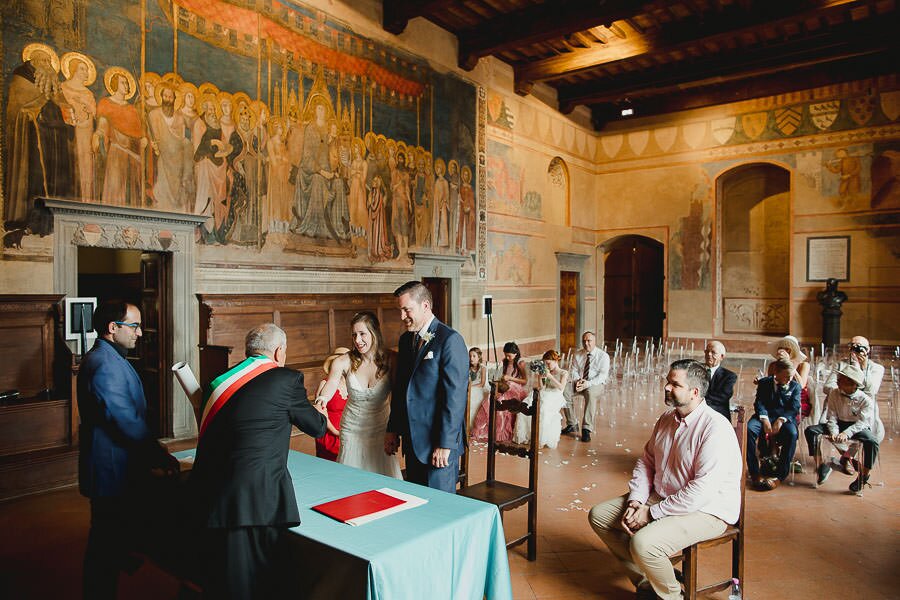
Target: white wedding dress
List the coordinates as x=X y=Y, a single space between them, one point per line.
x=362 y=428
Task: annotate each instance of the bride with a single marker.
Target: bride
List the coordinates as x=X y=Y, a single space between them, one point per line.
x=365 y=418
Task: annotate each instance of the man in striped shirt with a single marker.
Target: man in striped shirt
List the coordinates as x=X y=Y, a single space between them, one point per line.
x=686 y=487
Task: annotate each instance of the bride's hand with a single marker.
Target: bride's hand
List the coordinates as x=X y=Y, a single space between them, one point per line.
x=391 y=443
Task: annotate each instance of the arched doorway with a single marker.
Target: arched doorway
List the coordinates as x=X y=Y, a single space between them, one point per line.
x=756 y=234
x=633 y=288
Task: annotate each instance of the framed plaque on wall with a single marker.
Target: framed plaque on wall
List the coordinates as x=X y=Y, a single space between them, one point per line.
x=828 y=258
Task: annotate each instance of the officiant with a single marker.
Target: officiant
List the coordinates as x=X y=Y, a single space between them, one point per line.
x=240 y=485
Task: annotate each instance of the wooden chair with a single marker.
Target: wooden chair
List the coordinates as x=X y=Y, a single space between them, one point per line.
x=463 y=479
x=507 y=496
x=734 y=534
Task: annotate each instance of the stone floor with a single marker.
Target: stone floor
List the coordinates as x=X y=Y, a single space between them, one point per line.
x=801 y=542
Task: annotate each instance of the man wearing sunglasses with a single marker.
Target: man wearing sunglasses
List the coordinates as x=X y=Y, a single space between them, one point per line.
x=117 y=448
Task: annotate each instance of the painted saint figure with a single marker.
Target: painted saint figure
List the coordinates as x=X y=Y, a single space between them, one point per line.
x=172 y=150
x=313 y=192
x=357 y=198
x=278 y=212
x=210 y=150
x=400 y=209
x=465 y=233
x=80 y=72
x=119 y=140
x=441 y=235
x=37 y=139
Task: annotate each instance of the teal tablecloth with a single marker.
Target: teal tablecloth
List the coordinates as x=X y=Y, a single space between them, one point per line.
x=452 y=547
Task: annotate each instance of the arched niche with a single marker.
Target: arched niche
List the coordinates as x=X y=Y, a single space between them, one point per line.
x=755 y=233
x=560 y=187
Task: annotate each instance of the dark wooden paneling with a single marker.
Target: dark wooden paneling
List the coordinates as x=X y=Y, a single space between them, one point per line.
x=34 y=426
x=315 y=324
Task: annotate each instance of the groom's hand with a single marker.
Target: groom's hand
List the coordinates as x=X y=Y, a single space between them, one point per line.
x=391 y=443
x=439 y=458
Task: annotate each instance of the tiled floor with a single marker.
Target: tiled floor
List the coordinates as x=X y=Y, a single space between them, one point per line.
x=801 y=542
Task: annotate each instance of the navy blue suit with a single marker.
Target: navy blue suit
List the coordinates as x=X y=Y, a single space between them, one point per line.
x=428 y=403
x=773 y=402
x=117 y=450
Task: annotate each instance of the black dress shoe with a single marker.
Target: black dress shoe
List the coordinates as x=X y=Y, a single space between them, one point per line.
x=568 y=430
x=585 y=435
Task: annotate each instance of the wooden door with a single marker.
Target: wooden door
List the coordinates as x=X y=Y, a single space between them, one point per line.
x=440 y=294
x=568 y=311
x=155 y=347
x=633 y=289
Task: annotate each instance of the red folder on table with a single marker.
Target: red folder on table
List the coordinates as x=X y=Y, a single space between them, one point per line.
x=368 y=506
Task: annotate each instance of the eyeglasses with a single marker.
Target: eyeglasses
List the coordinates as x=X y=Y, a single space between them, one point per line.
x=124 y=324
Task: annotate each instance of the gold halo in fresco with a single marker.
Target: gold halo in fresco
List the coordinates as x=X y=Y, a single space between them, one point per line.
x=29 y=50
x=65 y=65
x=111 y=73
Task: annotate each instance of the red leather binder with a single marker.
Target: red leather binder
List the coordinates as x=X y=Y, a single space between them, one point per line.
x=369 y=506
x=359 y=505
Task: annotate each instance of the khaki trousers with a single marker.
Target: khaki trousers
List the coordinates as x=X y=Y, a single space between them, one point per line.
x=645 y=556
x=590 y=396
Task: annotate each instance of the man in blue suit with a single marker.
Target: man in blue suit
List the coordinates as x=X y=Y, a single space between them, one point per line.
x=117 y=449
x=777 y=406
x=428 y=403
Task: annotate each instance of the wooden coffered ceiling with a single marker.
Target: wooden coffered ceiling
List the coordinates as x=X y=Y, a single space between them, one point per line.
x=667 y=55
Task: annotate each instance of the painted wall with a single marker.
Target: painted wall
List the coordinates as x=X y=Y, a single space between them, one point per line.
x=655 y=177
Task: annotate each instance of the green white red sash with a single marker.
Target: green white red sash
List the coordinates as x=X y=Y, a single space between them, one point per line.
x=228 y=383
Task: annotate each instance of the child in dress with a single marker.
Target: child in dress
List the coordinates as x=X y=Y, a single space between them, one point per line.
x=510 y=387
x=477 y=383
x=551 y=385
x=328 y=445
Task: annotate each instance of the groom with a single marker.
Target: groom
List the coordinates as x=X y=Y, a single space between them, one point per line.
x=428 y=403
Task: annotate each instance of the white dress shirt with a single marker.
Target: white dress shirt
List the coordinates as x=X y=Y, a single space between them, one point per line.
x=693 y=464
x=598 y=369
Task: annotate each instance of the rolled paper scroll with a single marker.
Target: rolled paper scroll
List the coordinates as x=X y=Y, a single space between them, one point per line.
x=189 y=384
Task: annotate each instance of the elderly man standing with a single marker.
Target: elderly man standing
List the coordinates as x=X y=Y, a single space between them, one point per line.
x=117 y=447
x=721 y=380
x=686 y=487
x=240 y=482
x=589 y=371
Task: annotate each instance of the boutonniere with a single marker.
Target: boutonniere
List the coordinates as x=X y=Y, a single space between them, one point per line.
x=427 y=336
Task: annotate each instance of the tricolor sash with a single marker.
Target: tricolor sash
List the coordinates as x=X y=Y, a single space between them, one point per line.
x=228 y=383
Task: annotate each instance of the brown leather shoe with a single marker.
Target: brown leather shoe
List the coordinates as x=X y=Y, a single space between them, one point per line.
x=770 y=484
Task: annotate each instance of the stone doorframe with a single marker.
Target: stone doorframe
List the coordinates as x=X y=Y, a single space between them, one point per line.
x=447 y=267
x=80 y=224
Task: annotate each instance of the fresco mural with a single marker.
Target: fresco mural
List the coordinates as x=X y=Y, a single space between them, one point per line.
x=690 y=244
x=506 y=193
x=289 y=132
x=510 y=260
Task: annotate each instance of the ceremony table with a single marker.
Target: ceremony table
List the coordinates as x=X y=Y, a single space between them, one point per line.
x=451 y=547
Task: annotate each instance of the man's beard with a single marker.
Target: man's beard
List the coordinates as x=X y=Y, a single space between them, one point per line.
x=671 y=400
x=168 y=108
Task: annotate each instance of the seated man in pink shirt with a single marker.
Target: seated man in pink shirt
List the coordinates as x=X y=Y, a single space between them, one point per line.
x=686 y=488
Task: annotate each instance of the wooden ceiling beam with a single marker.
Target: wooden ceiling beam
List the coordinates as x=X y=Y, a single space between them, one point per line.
x=857 y=40
x=396 y=14
x=707 y=28
x=839 y=71
x=539 y=23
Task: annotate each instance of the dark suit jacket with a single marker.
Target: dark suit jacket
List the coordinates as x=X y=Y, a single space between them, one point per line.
x=240 y=475
x=116 y=446
x=428 y=402
x=721 y=388
x=774 y=402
